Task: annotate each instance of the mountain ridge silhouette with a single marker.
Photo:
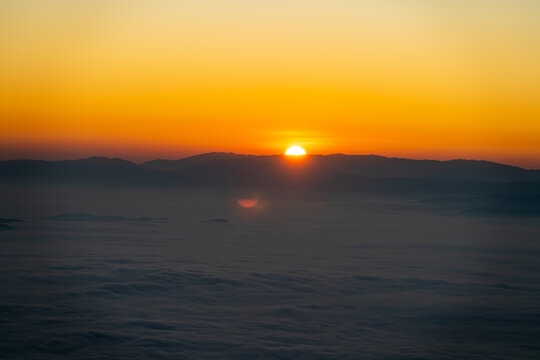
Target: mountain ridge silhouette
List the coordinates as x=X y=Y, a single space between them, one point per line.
x=326 y=172
x=372 y=165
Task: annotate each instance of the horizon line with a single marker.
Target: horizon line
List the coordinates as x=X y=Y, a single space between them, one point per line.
x=270 y=155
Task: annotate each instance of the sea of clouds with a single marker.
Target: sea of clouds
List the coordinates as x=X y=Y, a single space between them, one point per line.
x=130 y=275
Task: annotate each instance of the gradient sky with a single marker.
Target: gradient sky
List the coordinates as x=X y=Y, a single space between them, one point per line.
x=168 y=78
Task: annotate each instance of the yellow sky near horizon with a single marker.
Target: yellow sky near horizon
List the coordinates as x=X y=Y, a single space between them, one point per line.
x=140 y=79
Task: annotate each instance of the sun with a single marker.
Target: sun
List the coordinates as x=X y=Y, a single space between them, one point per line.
x=295 y=151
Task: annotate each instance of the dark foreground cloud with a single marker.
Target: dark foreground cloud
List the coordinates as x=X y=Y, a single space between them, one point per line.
x=300 y=280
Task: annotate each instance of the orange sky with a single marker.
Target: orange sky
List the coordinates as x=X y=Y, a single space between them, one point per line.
x=140 y=80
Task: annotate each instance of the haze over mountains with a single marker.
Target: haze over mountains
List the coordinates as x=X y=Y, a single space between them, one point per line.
x=322 y=172
x=374 y=166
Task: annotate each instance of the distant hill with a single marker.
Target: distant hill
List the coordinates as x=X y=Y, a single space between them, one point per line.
x=173 y=165
x=368 y=173
x=381 y=167
x=94 y=170
x=375 y=166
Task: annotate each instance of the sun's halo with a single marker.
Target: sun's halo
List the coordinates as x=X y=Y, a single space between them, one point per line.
x=295 y=151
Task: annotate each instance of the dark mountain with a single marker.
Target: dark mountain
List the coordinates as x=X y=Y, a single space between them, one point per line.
x=94 y=171
x=374 y=166
x=172 y=165
x=382 y=167
x=367 y=173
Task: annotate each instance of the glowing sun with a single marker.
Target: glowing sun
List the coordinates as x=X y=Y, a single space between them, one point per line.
x=295 y=151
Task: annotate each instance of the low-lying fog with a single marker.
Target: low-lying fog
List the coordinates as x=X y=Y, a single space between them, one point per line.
x=185 y=274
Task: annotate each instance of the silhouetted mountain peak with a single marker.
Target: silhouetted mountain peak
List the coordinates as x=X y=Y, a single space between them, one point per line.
x=335 y=171
x=171 y=165
x=102 y=161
